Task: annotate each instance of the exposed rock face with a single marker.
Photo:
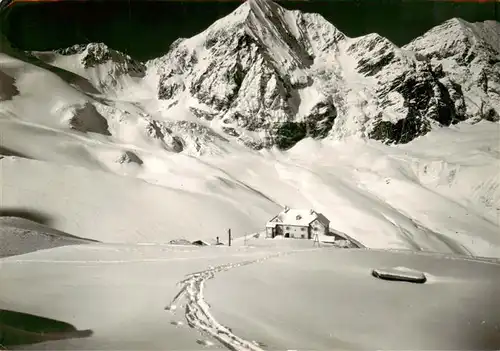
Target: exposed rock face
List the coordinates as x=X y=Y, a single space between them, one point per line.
x=8 y=87
x=468 y=58
x=129 y=157
x=160 y=131
x=272 y=77
x=85 y=119
x=409 y=94
x=426 y=100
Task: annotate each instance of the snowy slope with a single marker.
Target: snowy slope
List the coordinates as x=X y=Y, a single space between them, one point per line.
x=414 y=198
x=418 y=195
x=104 y=207
x=74 y=105
x=19 y=236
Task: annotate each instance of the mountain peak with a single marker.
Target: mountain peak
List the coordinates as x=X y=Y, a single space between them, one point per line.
x=274 y=26
x=93 y=54
x=456 y=21
x=457 y=37
x=267 y=8
x=263 y=7
x=291 y=38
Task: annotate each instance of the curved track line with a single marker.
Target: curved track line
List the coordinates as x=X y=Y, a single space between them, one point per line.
x=197 y=310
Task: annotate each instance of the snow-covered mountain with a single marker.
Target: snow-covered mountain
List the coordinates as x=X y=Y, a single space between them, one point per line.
x=269 y=76
x=266 y=76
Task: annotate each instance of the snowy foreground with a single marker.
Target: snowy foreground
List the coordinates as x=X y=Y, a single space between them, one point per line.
x=265 y=295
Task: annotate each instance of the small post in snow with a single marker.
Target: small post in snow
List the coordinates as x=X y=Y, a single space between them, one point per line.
x=229 y=233
x=316 y=240
x=217 y=240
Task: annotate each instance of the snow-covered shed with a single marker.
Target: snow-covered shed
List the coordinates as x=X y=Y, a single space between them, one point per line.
x=297 y=223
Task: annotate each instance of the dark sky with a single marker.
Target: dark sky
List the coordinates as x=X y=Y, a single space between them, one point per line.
x=145 y=29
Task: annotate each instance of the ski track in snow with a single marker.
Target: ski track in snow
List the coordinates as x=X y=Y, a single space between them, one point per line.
x=197 y=312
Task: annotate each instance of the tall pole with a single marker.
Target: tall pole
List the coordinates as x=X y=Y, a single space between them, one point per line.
x=229 y=234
